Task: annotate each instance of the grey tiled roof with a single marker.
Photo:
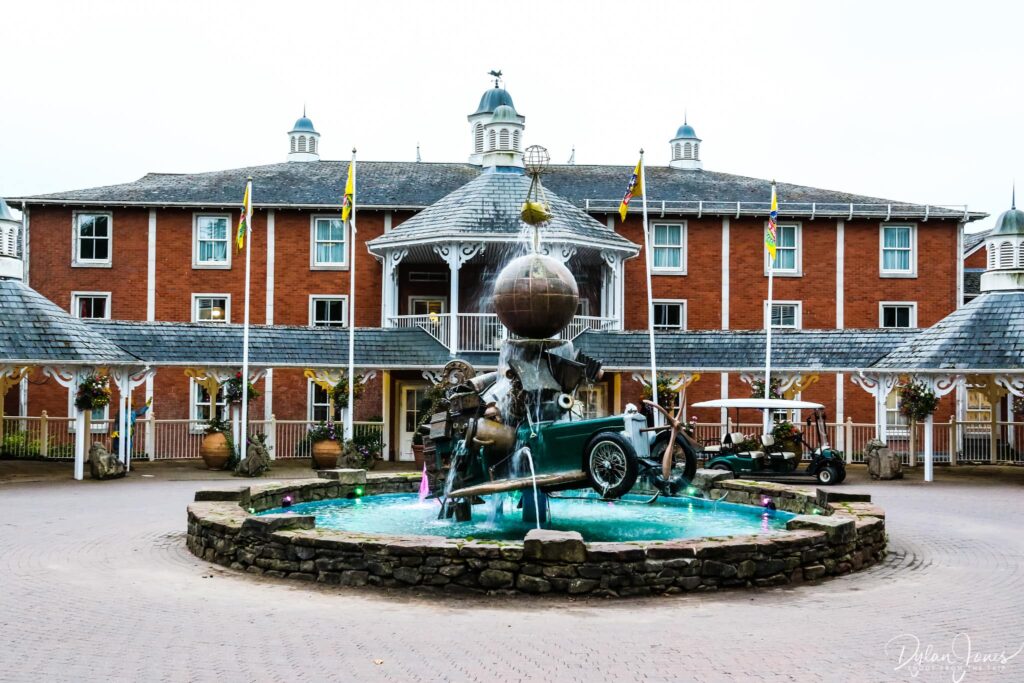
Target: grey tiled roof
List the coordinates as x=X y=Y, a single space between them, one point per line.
x=973 y=239
x=489 y=206
x=985 y=334
x=35 y=331
x=730 y=350
x=166 y=343
x=417 y=185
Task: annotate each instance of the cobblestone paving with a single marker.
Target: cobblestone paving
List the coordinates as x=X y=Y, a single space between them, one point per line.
x=96 y=585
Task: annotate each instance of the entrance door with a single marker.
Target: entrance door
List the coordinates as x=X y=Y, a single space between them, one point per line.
x=409 y=408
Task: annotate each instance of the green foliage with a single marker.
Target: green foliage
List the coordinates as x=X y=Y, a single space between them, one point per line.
x=784 y=432
x=757 y=389
x=19 y=445
x=233 y=390
x=667 y=396
x=340 y=393
x=93 y=393
x=917 y=401
x=435 y=400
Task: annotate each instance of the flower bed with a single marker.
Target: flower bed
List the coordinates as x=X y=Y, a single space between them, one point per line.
x=840 y=538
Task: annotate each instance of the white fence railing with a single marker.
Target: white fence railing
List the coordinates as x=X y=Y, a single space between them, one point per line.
x=153 y=439
x=437 y=326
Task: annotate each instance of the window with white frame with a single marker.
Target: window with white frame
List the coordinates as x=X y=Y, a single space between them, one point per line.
x=91 y=305
x=320 y=405
x=200 y=408
x=424 y=305
x=93 y=235
x=329 y=242
x=211 y=308
x=898 y=250
x=898 y=314
x=212 y=238
x=669 y=252
x=787 y=249
x=896 y=422
x=328 y=311
x=978 y=408
x=591 y=400
x=670 y=315
x=784 y=315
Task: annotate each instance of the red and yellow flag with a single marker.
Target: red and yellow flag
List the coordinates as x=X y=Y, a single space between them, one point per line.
x=350 y=193
x=635 y=188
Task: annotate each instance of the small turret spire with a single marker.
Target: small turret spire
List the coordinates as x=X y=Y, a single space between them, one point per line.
x=418 y=159
x=572 y=157
x=1013 y=196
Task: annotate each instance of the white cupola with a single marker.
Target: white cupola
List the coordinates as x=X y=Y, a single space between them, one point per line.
x=685 y=148
x=496 y=129
x=303 y=141
x=1005 y=245
x=11 y=265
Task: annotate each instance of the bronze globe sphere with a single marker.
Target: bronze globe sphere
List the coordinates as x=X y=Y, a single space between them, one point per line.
x=535 y=296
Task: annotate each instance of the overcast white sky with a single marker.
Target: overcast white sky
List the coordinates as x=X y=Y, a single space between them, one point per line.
x=913 y=101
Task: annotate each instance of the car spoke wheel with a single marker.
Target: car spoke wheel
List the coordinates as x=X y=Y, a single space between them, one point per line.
x=611 y=464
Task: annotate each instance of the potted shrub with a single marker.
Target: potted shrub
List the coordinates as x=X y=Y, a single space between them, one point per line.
x=216 y=449
x=326 y=445
x=787 y=437
x=417 y=448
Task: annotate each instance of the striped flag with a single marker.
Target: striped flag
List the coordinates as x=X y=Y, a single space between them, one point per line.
x=635 y=188
x=245 y=222
x=350 y=194
x=772 y=230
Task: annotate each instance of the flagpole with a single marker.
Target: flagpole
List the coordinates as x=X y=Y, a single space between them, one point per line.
x=245 y=326
x=766 y=420
x=351 y=311
x=650 y=291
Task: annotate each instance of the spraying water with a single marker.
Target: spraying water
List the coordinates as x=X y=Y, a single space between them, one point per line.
x=525 y=451
x=424 y=485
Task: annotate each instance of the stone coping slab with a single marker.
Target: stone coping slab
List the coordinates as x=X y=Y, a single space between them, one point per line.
x=820 y=541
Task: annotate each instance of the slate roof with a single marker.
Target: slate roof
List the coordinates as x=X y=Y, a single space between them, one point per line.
x=731 y=350
x=985 y=334
x=490 y=206
x=168 y=343
x=974 y=239
x=35 y=331
x=415 y=185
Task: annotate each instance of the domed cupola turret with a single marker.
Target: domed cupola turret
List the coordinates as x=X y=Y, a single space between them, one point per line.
x=1005 y=245
x=11 y=265
x=685 y=147
x=303 y=141
x=496 y=129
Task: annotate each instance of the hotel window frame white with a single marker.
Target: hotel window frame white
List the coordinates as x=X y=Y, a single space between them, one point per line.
x=896 y=423
x=797 y=248
x=413 y=300
x=77 y=297
x=798 y=315
x=211 y=295
x=314 y=299
x=199 y=263
x=911 y=270
x=199 y=417
x=312 y=405
x=681 y=303
x=681 y=248
x=314 y=261
x=912 y=315
x=77 y=260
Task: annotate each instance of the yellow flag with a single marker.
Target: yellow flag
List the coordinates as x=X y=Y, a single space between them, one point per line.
x=634 y=189
x=350 y=194
x=246 y=219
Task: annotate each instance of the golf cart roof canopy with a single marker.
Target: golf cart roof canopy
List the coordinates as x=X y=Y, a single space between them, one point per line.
x=758 y=404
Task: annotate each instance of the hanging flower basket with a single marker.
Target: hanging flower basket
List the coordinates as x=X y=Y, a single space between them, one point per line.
x=233 y=390
x=757 y=389
x=917 y=401
x=93 y=393
x=341 y=391
x=667 y=396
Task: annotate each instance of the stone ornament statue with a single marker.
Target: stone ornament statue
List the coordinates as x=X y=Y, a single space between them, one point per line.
x=257 y=461
x=103 y=464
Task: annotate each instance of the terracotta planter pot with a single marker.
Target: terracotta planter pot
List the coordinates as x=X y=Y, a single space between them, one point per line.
x=215 y=451
x=325 y=454
x=417 y=454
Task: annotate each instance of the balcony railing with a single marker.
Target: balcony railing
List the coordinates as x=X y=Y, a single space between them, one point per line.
x=484 y=332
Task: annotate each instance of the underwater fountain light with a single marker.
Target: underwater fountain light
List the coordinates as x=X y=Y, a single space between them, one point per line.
x=691 y=490
x=286 y=502
x=767 y=503
x=358 y=491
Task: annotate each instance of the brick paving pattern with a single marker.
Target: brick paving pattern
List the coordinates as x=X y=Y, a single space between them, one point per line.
x=96 y=585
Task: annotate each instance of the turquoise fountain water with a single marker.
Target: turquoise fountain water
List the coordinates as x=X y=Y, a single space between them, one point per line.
x=628 y=519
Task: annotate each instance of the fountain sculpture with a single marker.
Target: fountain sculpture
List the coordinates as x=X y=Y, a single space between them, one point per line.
x=520 y=427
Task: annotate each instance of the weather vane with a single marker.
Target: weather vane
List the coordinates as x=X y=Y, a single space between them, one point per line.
x=496 y=74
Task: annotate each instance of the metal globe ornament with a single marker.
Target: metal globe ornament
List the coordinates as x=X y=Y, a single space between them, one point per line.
x=535 y=296
x=536 y=159
x=536 y=210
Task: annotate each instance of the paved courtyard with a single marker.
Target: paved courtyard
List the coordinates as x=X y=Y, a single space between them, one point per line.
x=96 y=585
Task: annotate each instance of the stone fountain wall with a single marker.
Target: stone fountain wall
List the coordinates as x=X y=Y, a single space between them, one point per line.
x=842 y=538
